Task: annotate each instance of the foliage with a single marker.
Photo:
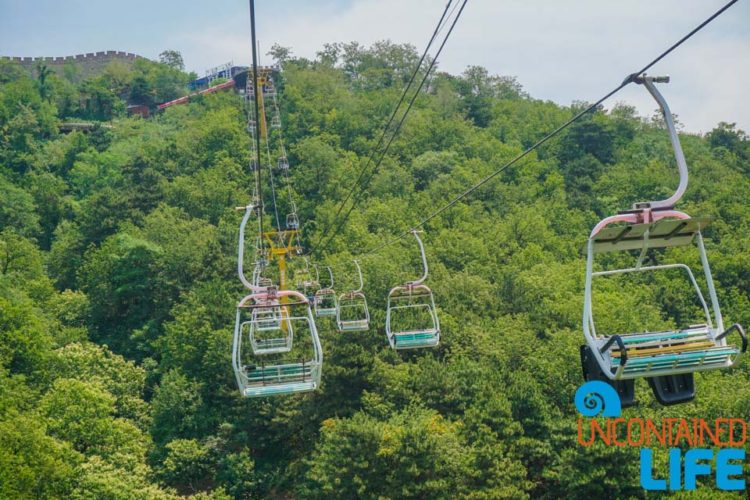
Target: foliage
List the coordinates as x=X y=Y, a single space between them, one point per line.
x=118 y=285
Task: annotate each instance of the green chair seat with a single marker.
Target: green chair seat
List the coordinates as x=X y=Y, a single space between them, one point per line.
x=653 y=364
x=274 y=390
x=415 y=339
x=276 y=373
x=271 y=343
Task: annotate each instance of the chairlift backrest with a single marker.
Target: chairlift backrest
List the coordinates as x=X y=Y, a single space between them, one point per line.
x=352 y=313
x=326 y=300
x=411 y=316
x=292 y=221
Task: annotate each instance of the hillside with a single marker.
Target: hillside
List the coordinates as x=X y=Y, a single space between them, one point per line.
x=118 y=286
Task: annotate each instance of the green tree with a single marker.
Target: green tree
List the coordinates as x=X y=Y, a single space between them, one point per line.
x=173 y=59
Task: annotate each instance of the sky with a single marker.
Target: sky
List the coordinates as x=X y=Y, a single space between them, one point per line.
x=559 y=50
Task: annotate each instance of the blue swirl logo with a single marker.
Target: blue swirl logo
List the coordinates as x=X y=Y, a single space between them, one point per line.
x=598 y=398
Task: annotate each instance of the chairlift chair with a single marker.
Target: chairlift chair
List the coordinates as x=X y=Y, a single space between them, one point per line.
x=667 y=359
x=302 y=276
x=292 y=221
x=283 y=163
x=275 y=122
x=269 y=89
x=411 y=319
x=352 y=314
x=265 y=282
x=269 y=318
x=286 y=373
x=261 y=253
x=310 y=285
x=326 y=300
x=269 y=328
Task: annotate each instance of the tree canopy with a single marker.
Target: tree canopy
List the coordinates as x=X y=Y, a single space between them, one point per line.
x=118 y=285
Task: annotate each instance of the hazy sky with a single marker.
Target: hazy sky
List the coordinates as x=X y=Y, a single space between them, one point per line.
x=562 y=50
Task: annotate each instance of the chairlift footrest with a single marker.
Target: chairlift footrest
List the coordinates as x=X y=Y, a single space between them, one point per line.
x=592 y=371
x=673 y=389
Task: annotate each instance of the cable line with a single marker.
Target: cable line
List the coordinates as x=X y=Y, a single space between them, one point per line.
x=376 y=167
x=270 y=177
x=370 y=159
x=552 y=134
x=253 y=37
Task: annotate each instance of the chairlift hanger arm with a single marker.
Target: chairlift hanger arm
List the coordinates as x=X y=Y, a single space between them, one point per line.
x=317 y=273
x=424 y=259
x=648 y=82
x=241 y=253
x=330 y=273
x=361 y=281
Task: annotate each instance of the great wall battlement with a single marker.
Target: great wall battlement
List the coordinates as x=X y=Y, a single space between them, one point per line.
x=90 y=62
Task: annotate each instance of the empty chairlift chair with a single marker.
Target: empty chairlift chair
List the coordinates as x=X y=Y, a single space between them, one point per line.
x=352 y=314
x=302 y=276
x=411 y=319
x=292 y=220
x=310 y=285
x=249 y=89
x=269 y=328
x=283 y=163
x=326 y=300
x=667 y=359
x=278 y=372
x=269 y=89
x=285 y=354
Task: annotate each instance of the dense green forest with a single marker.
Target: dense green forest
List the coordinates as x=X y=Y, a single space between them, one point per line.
x=118 y=286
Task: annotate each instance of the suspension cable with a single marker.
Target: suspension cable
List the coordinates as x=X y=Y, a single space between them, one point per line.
x=253 y=38
x=282 y=148
x=373 y=152
x=270 y=177
x=630 y=78
x=376 y=167
x=286 y=174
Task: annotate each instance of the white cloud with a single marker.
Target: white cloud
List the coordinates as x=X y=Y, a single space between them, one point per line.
x=559 y=50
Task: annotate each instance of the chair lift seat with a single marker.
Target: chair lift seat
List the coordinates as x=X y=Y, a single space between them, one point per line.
x=280 y=379
x=654 y=354
x=352 y=314
x=669 y=359
x=408 y=302
x=271 y=320
x=359 y=325
x=300 y=374
x=427 y=338
x=412 y=338
x=268 y=310
x=325 y=302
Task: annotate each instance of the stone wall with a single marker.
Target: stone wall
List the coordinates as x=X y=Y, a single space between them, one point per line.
x=90 y=63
